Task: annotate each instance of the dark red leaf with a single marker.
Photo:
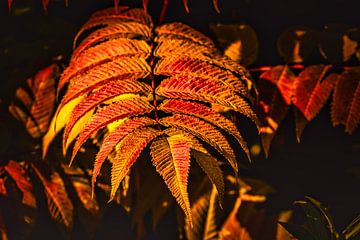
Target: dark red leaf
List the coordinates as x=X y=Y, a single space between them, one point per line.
x=18 y=174
x=346 y=100
x=312 y=89
x=276 y=90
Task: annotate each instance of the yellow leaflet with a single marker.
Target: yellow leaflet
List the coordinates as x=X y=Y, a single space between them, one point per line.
x=112 y=126
x=60 y=119
x=76 y=129
x=234 y=50
x=125 y=97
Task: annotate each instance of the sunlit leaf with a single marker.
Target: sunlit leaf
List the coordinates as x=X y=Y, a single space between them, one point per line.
x=205 y=113
x=99 y=96
x=204 y=131
x=129 y=150
x=60 y=119
x=207 y=91
x=118 y=95
x=111 y=113
x=114 y=137
x=180 y=30
x=171 y=158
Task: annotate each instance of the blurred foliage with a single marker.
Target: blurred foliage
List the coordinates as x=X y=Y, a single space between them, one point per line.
x=318 y=224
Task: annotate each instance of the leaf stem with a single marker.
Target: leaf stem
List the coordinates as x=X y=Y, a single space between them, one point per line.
x=163 y=11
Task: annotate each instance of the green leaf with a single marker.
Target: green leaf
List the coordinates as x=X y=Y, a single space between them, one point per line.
x=353 y=229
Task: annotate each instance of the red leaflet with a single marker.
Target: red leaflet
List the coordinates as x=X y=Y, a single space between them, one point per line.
x=198 y=68
x=204 y=131
x=18 y=174
x=171 y=157
x=196 y=88
x=109 y=114
x=312 y=89
x=283 y=79
x=129 y=150
x=276 y=91
x=126 y=68
x=103 y=53
x=114 y=137
x=113 y=31
x=346 y=100
x=184 y=31
x=97 y=97
x=207 y=114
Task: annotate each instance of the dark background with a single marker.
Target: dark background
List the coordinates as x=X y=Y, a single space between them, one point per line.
x=325 y=165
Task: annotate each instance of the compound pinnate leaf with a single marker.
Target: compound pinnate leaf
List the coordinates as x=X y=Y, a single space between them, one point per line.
x=116 y=80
